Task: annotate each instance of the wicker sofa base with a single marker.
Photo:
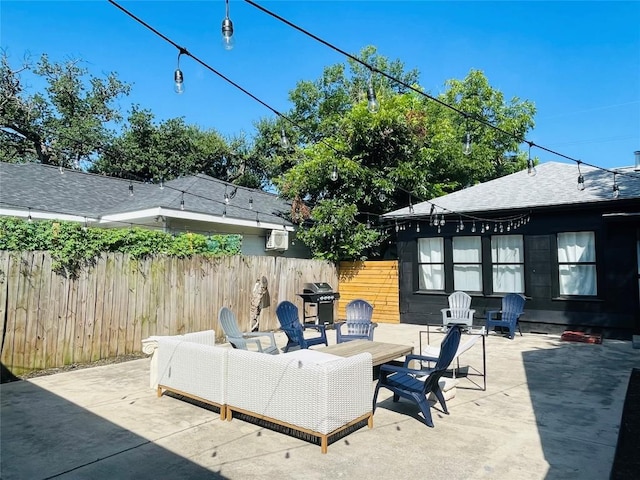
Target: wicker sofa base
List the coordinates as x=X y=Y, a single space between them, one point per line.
x=222 y=408
x=278 y=425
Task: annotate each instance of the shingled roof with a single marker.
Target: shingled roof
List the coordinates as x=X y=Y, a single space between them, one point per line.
x=555 y=184
x=45 y=188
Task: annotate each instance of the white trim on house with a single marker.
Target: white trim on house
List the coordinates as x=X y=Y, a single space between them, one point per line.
x=37 y=215
x=187 y=215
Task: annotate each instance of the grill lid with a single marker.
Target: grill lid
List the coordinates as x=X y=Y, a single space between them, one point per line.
x=320 y=287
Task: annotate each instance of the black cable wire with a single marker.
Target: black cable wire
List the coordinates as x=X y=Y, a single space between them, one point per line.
x=414 y=89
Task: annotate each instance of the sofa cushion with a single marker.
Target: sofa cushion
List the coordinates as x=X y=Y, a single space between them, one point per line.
x=313 y=357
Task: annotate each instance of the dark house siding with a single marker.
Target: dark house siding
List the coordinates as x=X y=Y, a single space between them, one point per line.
x=615 y=308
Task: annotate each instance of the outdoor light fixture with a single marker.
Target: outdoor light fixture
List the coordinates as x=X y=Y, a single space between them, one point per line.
x=178 y=78
x=531 y=169
x=334 y=174
x=227 y=30
x=466 y=148
x=372 y=102
x=580 y=178
x=284 y=141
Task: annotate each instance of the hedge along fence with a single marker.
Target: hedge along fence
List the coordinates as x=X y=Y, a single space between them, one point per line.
x=109 y=306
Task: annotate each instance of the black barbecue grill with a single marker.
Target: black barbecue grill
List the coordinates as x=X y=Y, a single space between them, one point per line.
x=318 y=299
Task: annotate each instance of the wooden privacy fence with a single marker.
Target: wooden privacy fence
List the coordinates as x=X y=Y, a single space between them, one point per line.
x=374 y=281
x=52 y=321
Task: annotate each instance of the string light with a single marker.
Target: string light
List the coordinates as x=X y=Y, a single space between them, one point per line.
x=580 y=178
x=250 y=203
x=182 y=202
x=334 y=174
x=372 y=102
x=178 y=78
x=284 y=141
x=227 y=29
x=616 y=188
x=130 y=188
x=531 y=168
x=466 y=146
x=29 y=219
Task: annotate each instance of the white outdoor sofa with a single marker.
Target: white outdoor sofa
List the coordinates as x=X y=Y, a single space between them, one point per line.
x=314 y=393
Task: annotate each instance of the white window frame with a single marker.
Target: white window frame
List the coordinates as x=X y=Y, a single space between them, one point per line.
x=577 y=271
x=507 y=263
x=467 y=263
x=431 y=264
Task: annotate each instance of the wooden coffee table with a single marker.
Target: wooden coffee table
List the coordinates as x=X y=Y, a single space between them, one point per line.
x=380 y=352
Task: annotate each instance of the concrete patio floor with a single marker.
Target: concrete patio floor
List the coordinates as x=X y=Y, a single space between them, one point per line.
x=551 y=410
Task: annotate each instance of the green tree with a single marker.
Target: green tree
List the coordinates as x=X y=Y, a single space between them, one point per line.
x=67 y=123
x=164 y=150
x=410 y=150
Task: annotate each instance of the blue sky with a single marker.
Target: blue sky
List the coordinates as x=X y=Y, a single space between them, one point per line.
x=578 y=61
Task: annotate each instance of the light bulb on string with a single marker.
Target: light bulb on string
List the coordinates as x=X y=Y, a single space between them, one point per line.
x=178 y=78
x=372 y=102
x=250 y=203
x=531 y=168
x=473 y=227
x=334 y=174
x=182 y=202
x=580 y=178
x=616 y=188
x=284 y=141
x=466 y=148
x=29 y=219
x=418 y=227
x=227 y=30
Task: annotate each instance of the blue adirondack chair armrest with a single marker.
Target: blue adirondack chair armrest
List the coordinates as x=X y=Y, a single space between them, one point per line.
x=386 y=369
x=493 y=314
x=320 y=328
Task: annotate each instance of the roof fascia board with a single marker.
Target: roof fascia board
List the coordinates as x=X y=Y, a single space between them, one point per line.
x=37 y=215
x=129 y=217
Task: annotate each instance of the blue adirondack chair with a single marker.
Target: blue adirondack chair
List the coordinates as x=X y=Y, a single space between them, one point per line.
x=289 y=319
x=508 y=316
x=358 y=324
x=411 y=383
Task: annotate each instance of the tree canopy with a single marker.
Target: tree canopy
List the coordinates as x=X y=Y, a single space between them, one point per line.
x=67 y=123
x=409 y=151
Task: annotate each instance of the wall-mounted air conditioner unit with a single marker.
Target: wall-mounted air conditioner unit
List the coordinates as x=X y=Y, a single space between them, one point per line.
x=277 y=240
